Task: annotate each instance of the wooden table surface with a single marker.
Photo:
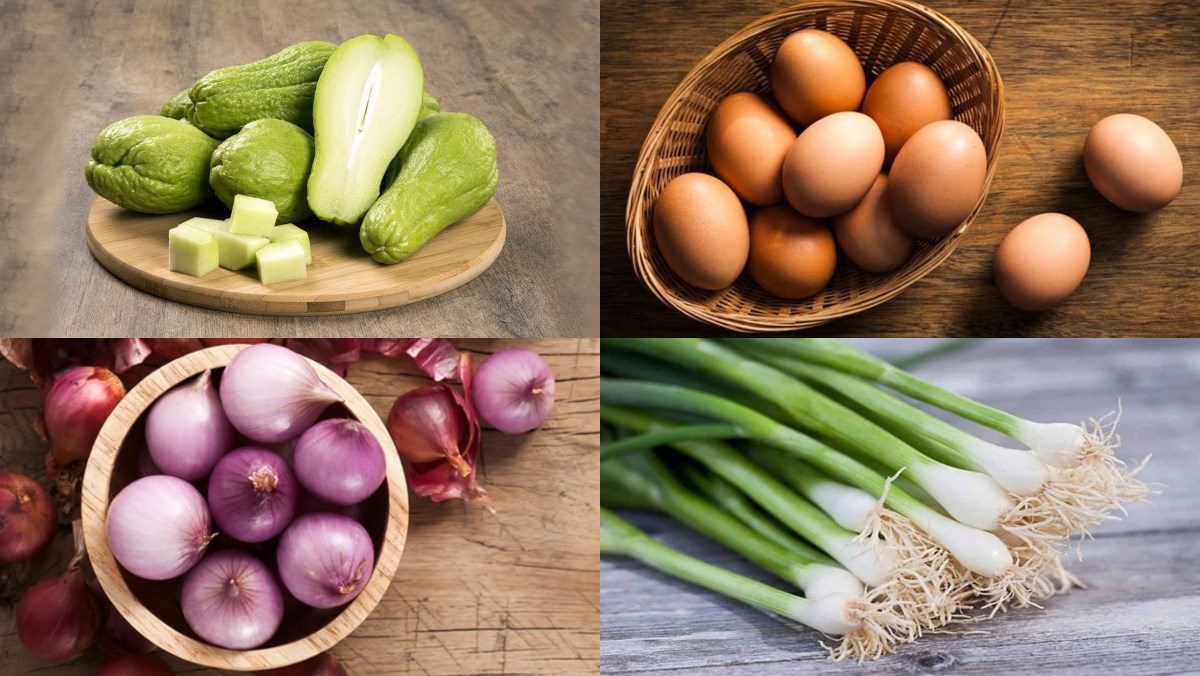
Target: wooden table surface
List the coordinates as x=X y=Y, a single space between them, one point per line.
x=1065 y=65
x=514 y=592
x=527 y=68
x=1138 y=615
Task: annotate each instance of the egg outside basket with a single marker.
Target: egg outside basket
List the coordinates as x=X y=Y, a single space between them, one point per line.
x=153 y=607
x=881 y=33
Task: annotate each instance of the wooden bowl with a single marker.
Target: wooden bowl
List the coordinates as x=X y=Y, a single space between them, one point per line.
x=152 y=607
x=881 y=33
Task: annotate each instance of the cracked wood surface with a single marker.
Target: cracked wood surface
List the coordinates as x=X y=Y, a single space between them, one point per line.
x=1139 y=614
x=1064 y=64
x=515 y=592
x=527 y=68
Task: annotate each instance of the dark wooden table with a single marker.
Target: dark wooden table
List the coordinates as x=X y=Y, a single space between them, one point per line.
x=1139 y=614
x=527 y=68
x=1065 y=65
x=476 y=593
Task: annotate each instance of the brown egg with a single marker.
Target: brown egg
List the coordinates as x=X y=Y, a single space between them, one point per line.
x=701 y=230
x=904 y=98
x=815 y=74
x=791 y=256
x=832 y=164
x=1041 y=261
x=867 y=235
x=747 y=141
x=936 y=179
x=1133 y=163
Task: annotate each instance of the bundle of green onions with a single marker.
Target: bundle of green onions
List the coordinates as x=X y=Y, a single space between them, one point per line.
x=799 y=455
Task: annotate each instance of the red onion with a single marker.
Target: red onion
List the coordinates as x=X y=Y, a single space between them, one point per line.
x=76 y=407
x=48 y=358
x=135 y=665
x=429 y=424
x=187 y=431
x=340 y=461
x=158 y=527
x=252 y=494
x=272 y=394
x=27 y=518
x=231 y=600
x=320 y=665
x=325 y=559
x=58 y=618
x=514 y=390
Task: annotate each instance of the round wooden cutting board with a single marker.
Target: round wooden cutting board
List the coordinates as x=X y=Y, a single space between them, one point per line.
x=342 y=278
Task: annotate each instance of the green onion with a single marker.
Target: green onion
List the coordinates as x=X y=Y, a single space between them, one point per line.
x=977 y=550
x=659 y=437
x=972 y=498
x=724 y=495
x=1058 y=444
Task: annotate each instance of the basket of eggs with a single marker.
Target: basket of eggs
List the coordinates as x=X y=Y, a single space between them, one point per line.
x=815 y=165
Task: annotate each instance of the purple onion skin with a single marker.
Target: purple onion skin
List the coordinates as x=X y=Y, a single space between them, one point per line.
x=339 y=461
x=231 y=600
x=158 y=527
x=513 y=390
x=325 y=559
x=272 y=394
x=252 y=494
x=187 y=431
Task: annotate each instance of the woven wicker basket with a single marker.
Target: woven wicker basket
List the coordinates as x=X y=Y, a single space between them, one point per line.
x=881 y=32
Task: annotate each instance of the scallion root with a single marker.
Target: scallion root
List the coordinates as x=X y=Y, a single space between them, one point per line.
x=881 y=627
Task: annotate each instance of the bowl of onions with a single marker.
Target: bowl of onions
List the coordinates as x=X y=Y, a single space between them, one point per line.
x=244 y=508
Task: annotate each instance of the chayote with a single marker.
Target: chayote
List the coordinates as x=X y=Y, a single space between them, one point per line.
x=152 y=164
x=176 y=107
x=280 y=86
x=447 y=172
x=269 y=159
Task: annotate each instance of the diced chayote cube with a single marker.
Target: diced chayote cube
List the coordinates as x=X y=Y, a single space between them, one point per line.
x=191 y=250
x=281 y=262
x=252 y=216
x=207 y=224
x=282 y=233
x=237 y=251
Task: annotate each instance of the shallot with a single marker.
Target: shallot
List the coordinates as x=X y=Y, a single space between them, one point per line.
x=26 y=518
x=231 y=599
x=187 y=431
x=58 y=618
x=252 y=494
x=340 y=461
x=325 y=559
x=135 y=665
x=158 y=527
x=430 y=424
x=514 y=390
x=76 y=407
x=272 y=394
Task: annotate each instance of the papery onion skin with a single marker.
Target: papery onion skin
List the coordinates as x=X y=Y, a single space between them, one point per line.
x=272 y=394
x=58 y=618
x=76 y=407
x=232 y=600
x=187 y=431
x=340 y=461
x=319 y=665
x=325 y=559
x=252 y=494
x=158 y=527
x=27 y=518
x=429 y=424
x=514 y=390
x=135 y=665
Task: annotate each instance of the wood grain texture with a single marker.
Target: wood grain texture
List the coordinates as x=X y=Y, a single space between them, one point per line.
x=527 y=68
x=1065 y=65
x=1138 y=614
x=341 y=279
x=514 y=592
